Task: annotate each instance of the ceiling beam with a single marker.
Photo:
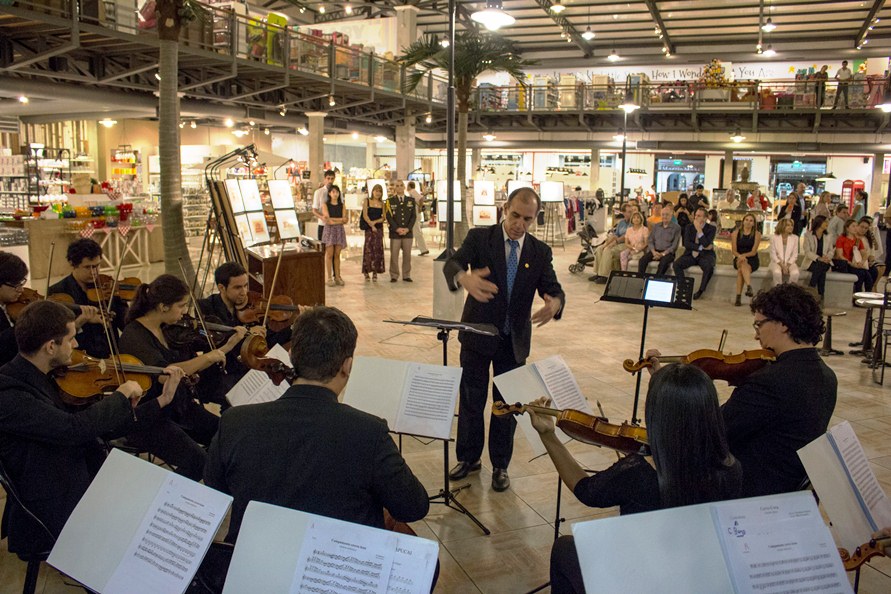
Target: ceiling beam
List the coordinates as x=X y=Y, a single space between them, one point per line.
x=864 y=28
x=573 y=33
x=657 y=16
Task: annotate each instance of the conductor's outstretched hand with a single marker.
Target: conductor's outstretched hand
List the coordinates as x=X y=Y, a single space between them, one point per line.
x=477 y=286
x=548 y=310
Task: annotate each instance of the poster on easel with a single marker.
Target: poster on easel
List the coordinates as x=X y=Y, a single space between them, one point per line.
x=280 y=194
x=551 y=191
x=442 y=211
x=288 y=225
x=259 y=230
x=244 y=228
x=484 y=192
x=250 y=194
x=234 y=194
x=484 y=216
x=516 y=184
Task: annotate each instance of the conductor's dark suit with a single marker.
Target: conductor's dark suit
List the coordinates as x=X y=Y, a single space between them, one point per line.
x=485 y=247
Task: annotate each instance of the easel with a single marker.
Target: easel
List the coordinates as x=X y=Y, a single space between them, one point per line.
x=642 y=289
x=446 y=496
x=553 y=226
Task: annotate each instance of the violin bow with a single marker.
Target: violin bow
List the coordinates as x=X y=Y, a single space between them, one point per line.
x=198 y=314
x=112 y=342
x=603 y=414
x=722 y=341
x=114 y=284
x=49 y=269
x=278 y=264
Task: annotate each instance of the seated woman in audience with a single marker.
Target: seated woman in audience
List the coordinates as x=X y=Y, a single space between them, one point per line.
x=158 y=304
x=744 y=243
x=690 y=464
x=682 y=211
x=851 y=256
x=823 y=207
x=875 y=257
x=784 y=252
x=635 y=240
x=818 y=253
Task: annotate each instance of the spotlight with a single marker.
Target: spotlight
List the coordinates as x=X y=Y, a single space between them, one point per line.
x=737 y=136
x=588 y=35
x=266 y=131
x=613 y=57
x=489 y=137
x=193 y=125
x=228 y=122
x=240 y=133
x=182 y=124
x=355 y=135
x=322 y=9
x=380 y=139
x=770 y=52
x=158 y=76
x=283 y=111
x=348 y=9
x=107 y=122
x=331 y=101
x=24 y=100
x=768 y=26
x=303 y=131
x=252 y=123
x=557 y=7
x=444 y=43
x=428 y=119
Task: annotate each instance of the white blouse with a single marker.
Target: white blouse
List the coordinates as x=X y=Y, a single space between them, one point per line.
x=784 y=252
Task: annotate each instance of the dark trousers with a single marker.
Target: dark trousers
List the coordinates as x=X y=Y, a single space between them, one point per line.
x=818 y=272
x=172 y=444
x=474 y=403
x=842 y=90
x=566 y=572
x=705 y=260
x=664 y=263
x=864 y=278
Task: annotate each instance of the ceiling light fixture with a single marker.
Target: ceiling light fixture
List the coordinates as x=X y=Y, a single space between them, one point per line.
x=380 y=139
x=108 y=122
x=428 y=119
x=24 y=100
x=737 y=136
x=348 y=9
x=283 y=111
x=193 y=125
x=228 y=122
x=613 y=57
x=266 y=131
x=557 y=7
x=493 y=16
x=252 y=123
x=303 y=131
x=489 y=136
x=588 y=35
x=331 y=101
x=355 y=135
x=444 y=43
x=619 y=136
x=769 y=52
x=768 y=26
x=322 y=9
x=240 y=133
x=158 y=76
x=182 y=124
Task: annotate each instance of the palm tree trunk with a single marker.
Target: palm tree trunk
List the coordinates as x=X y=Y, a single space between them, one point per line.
x=175 y=246
x=461 y=172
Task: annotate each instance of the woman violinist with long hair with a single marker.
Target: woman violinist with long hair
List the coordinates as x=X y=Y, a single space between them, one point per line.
x=691 y=462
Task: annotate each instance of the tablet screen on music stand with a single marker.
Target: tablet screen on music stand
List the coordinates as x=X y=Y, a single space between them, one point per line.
x=660 y=291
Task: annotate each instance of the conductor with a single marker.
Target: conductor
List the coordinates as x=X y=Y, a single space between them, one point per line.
x=506 y=267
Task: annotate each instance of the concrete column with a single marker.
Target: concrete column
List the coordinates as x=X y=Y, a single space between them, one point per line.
x=406 y=25
x=876 y=198
x=316 y=146
x=370 y=160
x=476 y=160
x=728 y=172
x=405 y=148
x=594 y=178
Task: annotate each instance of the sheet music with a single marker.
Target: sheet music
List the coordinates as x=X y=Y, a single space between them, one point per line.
x=561 y=385
x=256 y=387
x=343 y=558
x=778 y=546
x=171 y=540
x=413 y=565
x=871 y=497
x=428 y=400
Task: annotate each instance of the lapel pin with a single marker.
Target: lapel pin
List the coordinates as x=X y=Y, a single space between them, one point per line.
x=526 y=265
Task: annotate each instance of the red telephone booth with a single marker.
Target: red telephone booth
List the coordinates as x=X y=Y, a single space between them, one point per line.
x=849 y=190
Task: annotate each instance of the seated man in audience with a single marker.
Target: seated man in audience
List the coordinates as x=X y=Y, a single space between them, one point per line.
x=51 y=455
x=662 y=243
x=608 y=252
x=85 y=256
x=782 y=407
x=699 y=250
x=308 y=452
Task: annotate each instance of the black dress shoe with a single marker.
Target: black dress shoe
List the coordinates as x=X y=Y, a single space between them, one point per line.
x=462 y=469
x=407 y=280
x=697 y=294
x=500 y=480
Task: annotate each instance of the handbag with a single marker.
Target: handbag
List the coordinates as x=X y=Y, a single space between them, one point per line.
x=363 y=224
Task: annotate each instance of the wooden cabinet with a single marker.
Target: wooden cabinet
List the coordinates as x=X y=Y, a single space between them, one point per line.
x=301 y=276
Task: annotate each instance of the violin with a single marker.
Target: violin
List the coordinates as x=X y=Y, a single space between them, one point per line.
x=28 y=296
x=717 y=365
x=863 y=553
x=87 y=379
x=581 y=426
x=188 y=333
x=105 y=288
x=278 y=312
x=253 y=355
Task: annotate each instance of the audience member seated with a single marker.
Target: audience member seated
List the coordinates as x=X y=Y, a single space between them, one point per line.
x=662 y=243
x=612 y=247
x=635 y=240
x=699 y=250
x=837 y=223
x=851 y=256
x=818 y=253
x=744 y=243
x=875 y=252
x=758 y=201
x=655 y=217
x=682 y=211
x=784 y=253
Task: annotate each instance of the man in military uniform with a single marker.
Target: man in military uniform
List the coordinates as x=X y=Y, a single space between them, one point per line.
x=401 y=212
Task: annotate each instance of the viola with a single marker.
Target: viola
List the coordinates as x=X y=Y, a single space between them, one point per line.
x=14 y=309
x=87 y=379
x=281 y=311
x=717 y=365
x=105 y=288
x=863 y=553
x=590 y=429
x=188 y=333
x=253 y=355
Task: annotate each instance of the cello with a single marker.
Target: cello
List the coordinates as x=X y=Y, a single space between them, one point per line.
x=717 y=365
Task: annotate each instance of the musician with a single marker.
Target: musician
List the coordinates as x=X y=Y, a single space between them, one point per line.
x=507 y=266
x=307 y=451
x=157 y=304
x=13 y=277
x=785 y=405
x=49 y=454
x=691 y=461
x=85 y=256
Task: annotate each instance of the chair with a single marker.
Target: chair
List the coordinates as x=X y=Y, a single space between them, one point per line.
x=827 y=338
x=33 y=560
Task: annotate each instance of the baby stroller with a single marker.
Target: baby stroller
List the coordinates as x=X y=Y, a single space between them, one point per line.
x=590 y=241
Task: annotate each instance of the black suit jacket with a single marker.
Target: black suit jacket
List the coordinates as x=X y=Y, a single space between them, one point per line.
x=91 y=337
x=484 y=247
x=8 y=345
x=308 y=452
x=691 y=244
x=49 y=454
x=776 y=411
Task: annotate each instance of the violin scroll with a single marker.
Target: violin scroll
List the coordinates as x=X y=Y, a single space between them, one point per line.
x=253 y=354
x=631 y=366
x=863 y=553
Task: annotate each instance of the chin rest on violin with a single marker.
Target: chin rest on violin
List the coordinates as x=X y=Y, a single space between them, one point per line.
x=863 y=553
x=253 y=355
x=717 y=365
x=586 y=428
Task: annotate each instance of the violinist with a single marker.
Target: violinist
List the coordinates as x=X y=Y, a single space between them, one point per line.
x=691 y=462
x=162 y=302
x=13 y=277
x=785 y=405
x=85 y=256
x=51 y=455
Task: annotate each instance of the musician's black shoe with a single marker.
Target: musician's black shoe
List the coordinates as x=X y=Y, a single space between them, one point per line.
x=500 y=480
x=697 y=294
x=462 y=469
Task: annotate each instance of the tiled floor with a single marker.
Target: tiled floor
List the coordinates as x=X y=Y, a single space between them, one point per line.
x=594 y=338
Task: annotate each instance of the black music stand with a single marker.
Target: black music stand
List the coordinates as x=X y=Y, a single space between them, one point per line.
x=446 y=496
x=649 y=290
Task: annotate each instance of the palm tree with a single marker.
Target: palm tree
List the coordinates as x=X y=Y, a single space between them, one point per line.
x=172 y=15
x=475 y=54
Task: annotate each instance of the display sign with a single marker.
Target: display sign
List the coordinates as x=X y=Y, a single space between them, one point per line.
x=259 y=230
x=234 y=193
x=484 y=192
x=250 y=194
x=288 y=225
x=441 y=211
x=484 y=216
x=551 y=191
x=516 y=184
x=244 y=228
x=377 y=182
x=280 y=194
x=442 y=190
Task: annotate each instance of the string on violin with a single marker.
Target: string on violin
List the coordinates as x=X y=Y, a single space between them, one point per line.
x=199 y=316
x=717 y=365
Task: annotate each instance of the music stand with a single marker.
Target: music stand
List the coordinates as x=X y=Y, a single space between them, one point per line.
x=649 y=290
x=444 y=327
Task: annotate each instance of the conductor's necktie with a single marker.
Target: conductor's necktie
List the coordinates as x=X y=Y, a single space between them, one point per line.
x=512 y=263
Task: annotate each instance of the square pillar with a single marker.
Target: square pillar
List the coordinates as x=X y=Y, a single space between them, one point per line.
x=316 y=146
